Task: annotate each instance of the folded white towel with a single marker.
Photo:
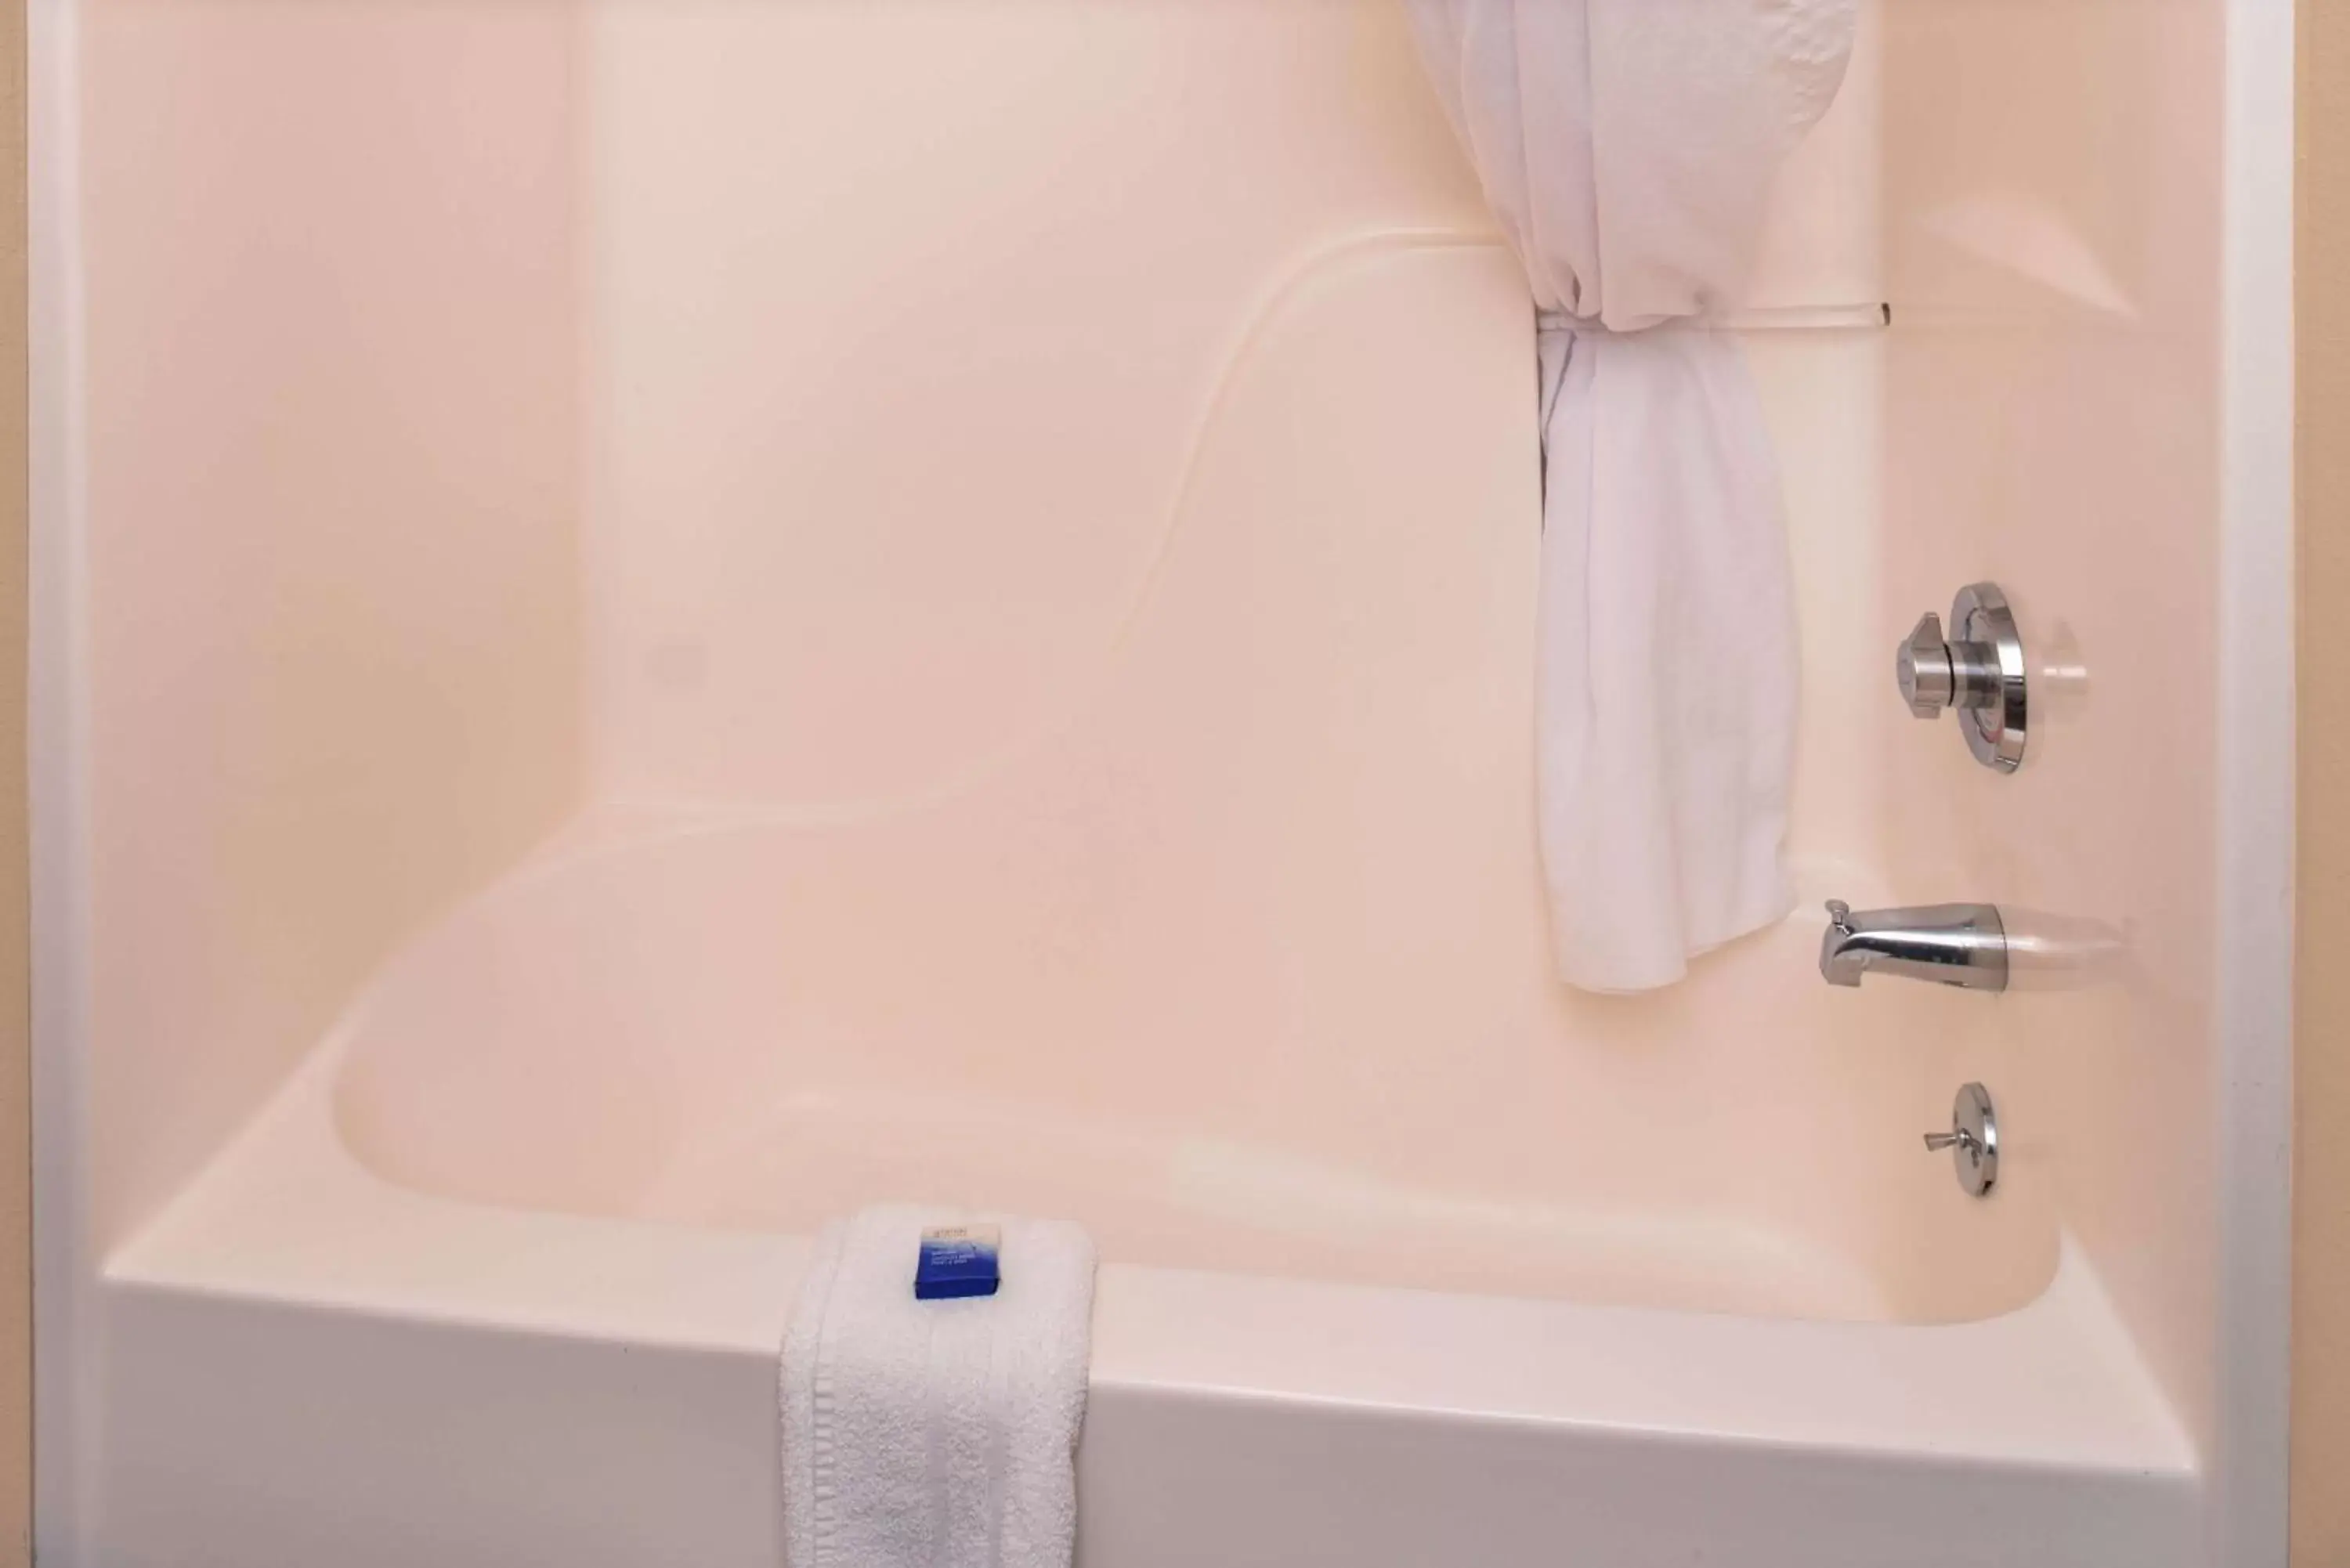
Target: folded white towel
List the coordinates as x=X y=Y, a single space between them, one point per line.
x=941 y=1434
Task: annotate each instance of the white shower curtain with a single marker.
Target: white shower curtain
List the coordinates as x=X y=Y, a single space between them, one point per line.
x=1628 y=148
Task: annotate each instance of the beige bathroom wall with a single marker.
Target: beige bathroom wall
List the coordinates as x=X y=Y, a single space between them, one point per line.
x=331 y=521
x=15 y=1124
x=884 y=436
x=2321 y=1326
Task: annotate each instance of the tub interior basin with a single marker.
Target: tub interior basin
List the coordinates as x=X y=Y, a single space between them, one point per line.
x=763 y=1025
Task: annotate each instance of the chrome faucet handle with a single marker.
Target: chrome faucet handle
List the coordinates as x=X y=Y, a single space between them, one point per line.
x=1921 y=666
x=1978 y=668
x=1958 y=1137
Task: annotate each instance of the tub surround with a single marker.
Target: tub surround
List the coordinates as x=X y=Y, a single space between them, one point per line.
x=593 y=721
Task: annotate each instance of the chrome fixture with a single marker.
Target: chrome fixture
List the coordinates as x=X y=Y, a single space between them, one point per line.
x=1952 y=944
x=1972 y=1140
x=1979 y=672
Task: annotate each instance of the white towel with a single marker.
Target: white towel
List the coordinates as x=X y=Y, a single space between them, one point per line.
x=935 y=1434
x=1629 y=147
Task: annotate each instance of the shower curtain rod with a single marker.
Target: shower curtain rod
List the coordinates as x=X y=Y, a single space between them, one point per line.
x=1808 y=317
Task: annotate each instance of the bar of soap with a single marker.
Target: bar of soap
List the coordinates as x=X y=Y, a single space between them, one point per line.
x=958 y=1261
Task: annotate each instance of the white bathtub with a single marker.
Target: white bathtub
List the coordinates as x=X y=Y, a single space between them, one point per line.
x=496 y=1281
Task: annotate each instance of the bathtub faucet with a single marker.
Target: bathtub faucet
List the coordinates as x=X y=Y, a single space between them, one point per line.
x=1951 y=944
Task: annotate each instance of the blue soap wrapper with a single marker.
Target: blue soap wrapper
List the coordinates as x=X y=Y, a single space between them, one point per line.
x=958 y=1261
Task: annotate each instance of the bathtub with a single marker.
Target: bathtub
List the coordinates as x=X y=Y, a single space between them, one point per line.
x=498 y=1279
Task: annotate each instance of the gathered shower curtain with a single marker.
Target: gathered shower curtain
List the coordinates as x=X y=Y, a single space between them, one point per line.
x=1629 y=149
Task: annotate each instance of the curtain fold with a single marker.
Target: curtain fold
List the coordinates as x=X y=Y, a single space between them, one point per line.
x=1629 y=149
